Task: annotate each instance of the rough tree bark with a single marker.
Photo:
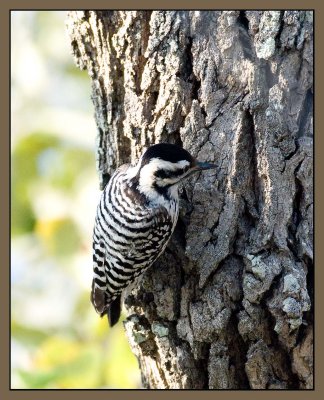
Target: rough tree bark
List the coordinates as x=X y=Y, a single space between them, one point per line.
x=229 y=304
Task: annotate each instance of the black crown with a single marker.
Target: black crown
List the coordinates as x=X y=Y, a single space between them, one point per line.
x=167 y=152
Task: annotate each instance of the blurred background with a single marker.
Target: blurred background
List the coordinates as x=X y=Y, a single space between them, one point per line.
x=58 y=341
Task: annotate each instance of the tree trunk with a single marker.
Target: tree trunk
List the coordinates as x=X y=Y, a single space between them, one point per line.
x=229 y=304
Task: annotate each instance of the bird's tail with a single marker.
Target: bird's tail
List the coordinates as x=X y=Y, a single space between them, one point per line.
x=113 y=311
x=98 y=298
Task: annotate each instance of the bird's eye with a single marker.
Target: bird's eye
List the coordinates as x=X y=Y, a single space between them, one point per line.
x=161 y=173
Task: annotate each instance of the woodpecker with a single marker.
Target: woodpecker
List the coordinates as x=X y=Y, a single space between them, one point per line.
x=136 y=216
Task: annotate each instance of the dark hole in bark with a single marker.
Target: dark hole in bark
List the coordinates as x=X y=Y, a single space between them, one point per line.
x=243 y=20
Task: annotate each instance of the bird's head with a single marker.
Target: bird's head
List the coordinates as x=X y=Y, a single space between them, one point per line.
x=163 y=166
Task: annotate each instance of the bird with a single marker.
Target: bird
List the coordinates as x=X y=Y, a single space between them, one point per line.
x=136 y=216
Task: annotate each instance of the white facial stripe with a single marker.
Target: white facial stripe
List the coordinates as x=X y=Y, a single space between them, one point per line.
x=182 y=163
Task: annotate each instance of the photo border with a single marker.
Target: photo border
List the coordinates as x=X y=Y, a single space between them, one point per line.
x=80 y=394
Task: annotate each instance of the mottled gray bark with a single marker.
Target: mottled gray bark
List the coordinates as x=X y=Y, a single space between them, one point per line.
x=229 y=304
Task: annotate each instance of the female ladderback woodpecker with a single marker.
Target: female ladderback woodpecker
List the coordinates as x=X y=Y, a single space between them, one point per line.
x=136 y=216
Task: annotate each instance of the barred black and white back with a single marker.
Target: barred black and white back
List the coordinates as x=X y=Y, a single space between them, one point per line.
x=136 y=216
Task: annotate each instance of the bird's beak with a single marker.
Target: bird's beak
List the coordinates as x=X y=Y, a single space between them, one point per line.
x=199 y=166
x=203 y=165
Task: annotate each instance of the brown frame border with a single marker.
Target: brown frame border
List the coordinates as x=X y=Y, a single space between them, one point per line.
x=5 y=7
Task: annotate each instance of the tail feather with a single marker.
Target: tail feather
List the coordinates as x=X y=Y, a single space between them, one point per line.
x=98 y=298
x=113 y=311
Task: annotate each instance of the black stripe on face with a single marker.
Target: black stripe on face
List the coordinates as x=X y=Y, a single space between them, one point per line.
x=164 y=174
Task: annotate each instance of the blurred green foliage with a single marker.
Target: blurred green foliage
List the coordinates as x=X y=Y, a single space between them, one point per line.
x=66 y=362
x=53 y=233
x=58 y=341
x=23 y=173
x=43 y=158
